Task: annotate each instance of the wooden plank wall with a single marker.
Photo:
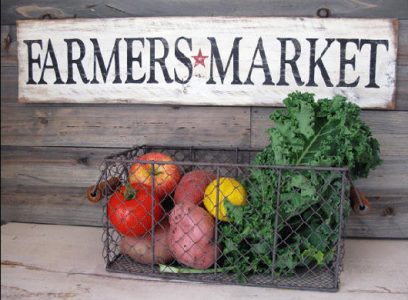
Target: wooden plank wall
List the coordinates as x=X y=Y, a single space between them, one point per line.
x=51 y=153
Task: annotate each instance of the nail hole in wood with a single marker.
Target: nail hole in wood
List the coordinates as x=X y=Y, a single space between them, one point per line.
x=43 y=120
x=388 y=211
x=83 y=160
x=7 y=42
x=323 y=12
x=47 y=16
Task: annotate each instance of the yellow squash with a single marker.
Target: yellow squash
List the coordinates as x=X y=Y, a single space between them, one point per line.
x=229 y=190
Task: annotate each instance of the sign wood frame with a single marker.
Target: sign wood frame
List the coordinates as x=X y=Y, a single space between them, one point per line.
x=226 y=61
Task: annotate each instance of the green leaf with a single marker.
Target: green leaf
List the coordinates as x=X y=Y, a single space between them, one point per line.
x=326 y=132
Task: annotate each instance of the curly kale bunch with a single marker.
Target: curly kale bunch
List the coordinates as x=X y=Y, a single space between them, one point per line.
x=327 y=132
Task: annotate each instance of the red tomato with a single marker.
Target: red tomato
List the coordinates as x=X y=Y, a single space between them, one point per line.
x=130 y=210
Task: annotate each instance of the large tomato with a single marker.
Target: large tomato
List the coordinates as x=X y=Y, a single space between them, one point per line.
x=166 y=176
x=130 y=210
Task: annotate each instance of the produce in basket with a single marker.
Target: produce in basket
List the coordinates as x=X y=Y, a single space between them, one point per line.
x=229 y=190
x=140 y=248
x=192 y=186
x=327 y=132
x=166 y=176
x=191 y=236
x=130 y=209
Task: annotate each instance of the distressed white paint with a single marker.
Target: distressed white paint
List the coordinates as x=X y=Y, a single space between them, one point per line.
x=197 y=91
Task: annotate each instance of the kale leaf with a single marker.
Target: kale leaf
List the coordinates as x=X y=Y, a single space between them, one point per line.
x=327 y=132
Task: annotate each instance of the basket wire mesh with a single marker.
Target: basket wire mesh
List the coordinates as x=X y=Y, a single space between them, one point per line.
x=288 y=252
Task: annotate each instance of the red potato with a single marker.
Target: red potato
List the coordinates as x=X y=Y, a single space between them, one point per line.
x=193 y=220
x=191 y=236
x=198 y=255
x=192 y=186
x=140 y=248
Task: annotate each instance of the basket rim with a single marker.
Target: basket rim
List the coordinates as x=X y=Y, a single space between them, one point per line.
x=115 y=158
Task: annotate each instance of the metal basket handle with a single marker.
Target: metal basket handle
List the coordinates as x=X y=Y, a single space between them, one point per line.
x=359 y=202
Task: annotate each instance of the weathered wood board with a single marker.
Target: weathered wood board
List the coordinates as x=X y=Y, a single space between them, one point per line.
x=388 y=217
x=123 y=126
x=12 y=10
x=48 y=184
x=48 y=161
x=69 y=260
x=207 y=61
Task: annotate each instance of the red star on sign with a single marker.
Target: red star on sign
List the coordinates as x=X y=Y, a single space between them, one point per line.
x=199 y=59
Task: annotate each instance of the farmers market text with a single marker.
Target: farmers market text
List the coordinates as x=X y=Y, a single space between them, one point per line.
x=152 y=60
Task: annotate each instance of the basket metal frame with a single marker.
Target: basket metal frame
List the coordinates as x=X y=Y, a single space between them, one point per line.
x=241 y=158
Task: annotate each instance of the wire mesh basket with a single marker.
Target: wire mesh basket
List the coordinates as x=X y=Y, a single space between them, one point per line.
x=212 y=215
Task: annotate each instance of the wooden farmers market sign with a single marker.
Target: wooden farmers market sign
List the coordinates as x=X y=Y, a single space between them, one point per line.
x=207 y=60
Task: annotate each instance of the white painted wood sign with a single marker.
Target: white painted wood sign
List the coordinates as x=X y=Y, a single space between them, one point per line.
x=207 y=60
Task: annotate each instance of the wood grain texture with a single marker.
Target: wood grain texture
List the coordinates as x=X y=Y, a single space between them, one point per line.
x=69 y=260
x=9 y=53
x=9 y=89
x=26 y=198
x=47 y=185
x=68 y=206
x=389 y=179
x=51 y=166
x=388 y=218
x=12 y=10
x=205 y=80
x=123 y=125
x=49 y=205
x=79 y=167
x=403 y=43
x=8 y=59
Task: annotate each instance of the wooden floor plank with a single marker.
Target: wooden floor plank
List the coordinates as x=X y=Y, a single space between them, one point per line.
x=69 y=260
